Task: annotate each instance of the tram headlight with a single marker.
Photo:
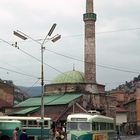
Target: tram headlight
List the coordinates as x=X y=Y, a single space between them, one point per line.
x=68 y=135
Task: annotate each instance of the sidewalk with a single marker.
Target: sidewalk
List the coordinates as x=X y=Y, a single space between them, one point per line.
x=129 y=137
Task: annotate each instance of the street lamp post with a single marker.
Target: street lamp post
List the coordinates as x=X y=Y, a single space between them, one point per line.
x=53 y=39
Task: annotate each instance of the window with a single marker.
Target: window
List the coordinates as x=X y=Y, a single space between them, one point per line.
x=111 y=126
x=95 y=126
x=84 y=126
x=72 y=126
x=46 y=123
x=23 y=123
x=102 y=126
x=108 y=126
x=32 y=123
x=80 y=126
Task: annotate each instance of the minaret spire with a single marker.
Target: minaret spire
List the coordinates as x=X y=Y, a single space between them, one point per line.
x=89 y=6
x=90 y=55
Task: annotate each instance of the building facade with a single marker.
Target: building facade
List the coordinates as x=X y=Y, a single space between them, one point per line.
x=9 y=96
x=6 y=94
x=133 y=115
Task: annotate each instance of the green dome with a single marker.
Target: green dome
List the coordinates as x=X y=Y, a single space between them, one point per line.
x=69 y=77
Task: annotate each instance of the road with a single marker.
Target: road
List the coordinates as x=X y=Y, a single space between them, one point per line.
x=130 y=138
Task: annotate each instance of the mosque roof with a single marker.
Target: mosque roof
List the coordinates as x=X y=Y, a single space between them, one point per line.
x=58 y=99
x=69 y=77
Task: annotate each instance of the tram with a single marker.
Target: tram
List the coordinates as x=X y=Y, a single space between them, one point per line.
x=90 y=127
x=32 y=125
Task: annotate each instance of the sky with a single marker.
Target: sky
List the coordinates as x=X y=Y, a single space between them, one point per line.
x=117 y=40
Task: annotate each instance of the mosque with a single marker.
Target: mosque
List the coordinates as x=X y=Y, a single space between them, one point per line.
x=73 y=91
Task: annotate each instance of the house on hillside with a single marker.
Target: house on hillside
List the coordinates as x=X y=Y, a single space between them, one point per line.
x=9 y=96
x=133 y=107
x=128 y=102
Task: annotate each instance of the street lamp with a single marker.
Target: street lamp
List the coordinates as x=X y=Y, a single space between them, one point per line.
x=20 y=35
x=53 y=39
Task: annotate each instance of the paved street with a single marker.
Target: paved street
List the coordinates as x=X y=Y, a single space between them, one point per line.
x=130 y=138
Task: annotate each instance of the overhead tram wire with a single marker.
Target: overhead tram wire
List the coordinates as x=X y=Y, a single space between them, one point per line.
x=119 y=69
x=30 y=88
x=37 y=41
x=39 y=60
x=107 y=67
x=119 y=30
x=15 y=45
x=19 y=72
x=103 y=66
x=102 y=32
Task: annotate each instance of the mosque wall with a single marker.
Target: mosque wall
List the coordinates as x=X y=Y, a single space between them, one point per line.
x=63 y=88
x=74 y=87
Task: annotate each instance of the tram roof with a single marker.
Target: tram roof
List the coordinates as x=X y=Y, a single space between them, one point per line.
x=18 y=118
x=90 y=117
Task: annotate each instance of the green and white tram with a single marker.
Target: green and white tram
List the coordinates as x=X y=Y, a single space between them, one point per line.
x=32 y=125
x=7 y=127
x=90 y=127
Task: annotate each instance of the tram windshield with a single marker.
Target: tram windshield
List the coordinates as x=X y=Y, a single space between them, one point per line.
x=81 y=126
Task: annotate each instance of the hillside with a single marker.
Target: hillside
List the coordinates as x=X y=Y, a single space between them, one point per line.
x=129 y=86
x=31 y=91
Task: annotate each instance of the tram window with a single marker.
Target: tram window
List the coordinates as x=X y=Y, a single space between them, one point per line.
x=107 y=126
x=32 y=123
x=72 y=126
x=95 y=126
x=46 y=123
x=83 y=126
x=111 y=126
x=102 y=126
x=29 y=123
x=23 y=123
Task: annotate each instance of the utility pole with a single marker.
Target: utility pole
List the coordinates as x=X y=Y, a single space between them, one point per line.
x=53 y=39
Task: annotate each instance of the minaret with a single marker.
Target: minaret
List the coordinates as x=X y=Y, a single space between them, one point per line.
x=90 y=58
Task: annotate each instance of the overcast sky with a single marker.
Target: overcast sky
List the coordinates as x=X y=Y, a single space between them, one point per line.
x=117 y=39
